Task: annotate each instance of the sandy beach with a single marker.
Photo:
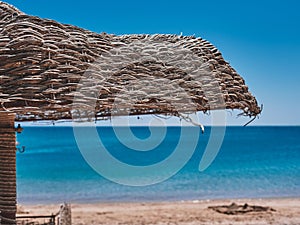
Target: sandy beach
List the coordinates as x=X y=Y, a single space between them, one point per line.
x=284 y=211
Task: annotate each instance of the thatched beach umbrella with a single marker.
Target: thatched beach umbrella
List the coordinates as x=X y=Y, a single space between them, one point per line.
x=43 y=62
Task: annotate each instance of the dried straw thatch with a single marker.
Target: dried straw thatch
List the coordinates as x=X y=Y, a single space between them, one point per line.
x=52 y=71
x=42 y=62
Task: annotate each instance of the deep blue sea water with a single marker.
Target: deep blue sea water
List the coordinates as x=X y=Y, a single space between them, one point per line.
x=252 y=162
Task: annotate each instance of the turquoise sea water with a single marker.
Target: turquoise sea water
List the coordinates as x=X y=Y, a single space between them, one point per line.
x=252 y=162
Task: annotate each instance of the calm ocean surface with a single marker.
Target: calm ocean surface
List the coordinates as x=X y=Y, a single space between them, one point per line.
x=252 y=162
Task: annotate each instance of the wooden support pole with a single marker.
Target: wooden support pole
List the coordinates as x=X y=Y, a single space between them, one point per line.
x=8 y=193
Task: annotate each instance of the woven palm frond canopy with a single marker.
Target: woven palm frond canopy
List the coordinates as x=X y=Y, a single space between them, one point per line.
x=45 y=64
x=53 y=71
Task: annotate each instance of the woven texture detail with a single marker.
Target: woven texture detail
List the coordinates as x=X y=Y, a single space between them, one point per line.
x=45 y=64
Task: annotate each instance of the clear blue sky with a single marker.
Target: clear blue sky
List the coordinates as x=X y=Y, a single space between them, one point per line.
x=261 y=39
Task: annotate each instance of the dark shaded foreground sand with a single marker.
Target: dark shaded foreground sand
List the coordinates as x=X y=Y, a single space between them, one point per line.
x=287 y=211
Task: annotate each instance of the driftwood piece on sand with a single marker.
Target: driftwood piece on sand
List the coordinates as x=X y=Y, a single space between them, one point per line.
x=65 y=215
x=235 y=209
